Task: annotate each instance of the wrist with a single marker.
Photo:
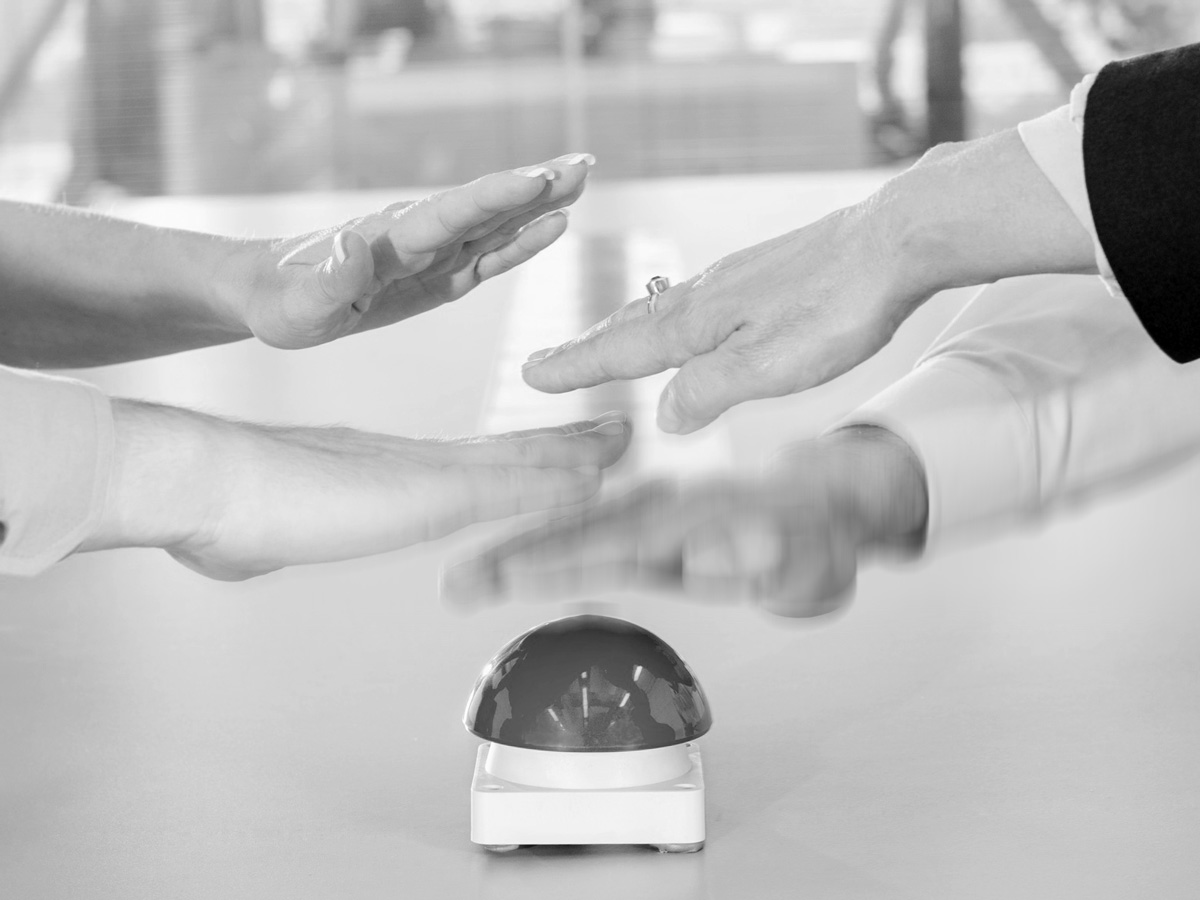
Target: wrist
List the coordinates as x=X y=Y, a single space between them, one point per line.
x=197 y=281
x=161 y=492
x=976 y=212
x=888 y=486
x=237 y=274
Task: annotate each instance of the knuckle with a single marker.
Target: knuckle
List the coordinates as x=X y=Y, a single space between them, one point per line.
x=528 y=451
x=697 y=322
x=762 y=363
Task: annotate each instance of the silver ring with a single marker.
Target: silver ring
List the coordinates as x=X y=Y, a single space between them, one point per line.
x=654 y=287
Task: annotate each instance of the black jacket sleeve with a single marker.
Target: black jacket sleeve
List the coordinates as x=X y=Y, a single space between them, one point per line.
x=1141 y=156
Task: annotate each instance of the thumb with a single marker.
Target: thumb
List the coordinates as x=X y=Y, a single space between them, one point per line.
x=703 y=388
x=345 y=276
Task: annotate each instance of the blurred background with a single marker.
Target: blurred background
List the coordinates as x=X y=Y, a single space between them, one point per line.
x=164 y=97
x=299 y=735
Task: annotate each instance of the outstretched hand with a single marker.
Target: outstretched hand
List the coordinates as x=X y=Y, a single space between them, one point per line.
x=233 y=500
x=789 y=540
x=407 y=259
x=772 y=319
x=800 y=309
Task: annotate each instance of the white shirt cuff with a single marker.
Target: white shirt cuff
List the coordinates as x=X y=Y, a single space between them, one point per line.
x=972 y=438
x=1055 y=141
x=56 y=453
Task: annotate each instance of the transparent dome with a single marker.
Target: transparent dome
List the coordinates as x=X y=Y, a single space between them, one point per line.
x=589 y=683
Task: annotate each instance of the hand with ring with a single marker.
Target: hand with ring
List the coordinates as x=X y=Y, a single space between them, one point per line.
x=654 y=287
x=802 y=308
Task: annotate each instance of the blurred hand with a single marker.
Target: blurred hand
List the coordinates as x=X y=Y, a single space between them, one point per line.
x=788 y=540
x=233 y=500
x=409 y=258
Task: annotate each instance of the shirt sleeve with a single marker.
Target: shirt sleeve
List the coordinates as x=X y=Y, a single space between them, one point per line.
x=1055 y=141
x=1045 y=391
x=56 y=455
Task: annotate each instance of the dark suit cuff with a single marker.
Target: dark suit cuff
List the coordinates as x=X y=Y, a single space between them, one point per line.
x=1141 y=153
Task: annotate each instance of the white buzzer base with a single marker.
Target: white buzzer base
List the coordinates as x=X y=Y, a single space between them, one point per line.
x=581 y=771
x=588 y=798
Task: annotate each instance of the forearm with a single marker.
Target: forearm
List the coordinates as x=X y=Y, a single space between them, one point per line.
x=170 y=473
x=79 y=289
x=233 y=500
x=977 y=212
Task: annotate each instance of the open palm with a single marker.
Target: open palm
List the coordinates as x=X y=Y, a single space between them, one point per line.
x=408 y=258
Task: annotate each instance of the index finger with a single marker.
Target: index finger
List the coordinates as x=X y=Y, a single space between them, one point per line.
x=453 y=215
x=631 y=343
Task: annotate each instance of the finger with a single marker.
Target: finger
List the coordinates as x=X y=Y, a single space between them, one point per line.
x=642 y=346
x=346 y=275
x=503 y=232
x=633 y=539
x=448 y=217
x=599 y=445
x=707 y=385
x=460 y=213
x=634 y=309
x=497 y=492
x=570 y=179
x=528 y=243
x=569 y=428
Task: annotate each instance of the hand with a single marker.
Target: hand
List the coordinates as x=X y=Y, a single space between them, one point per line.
x=776 y=318
x=800 y=309
x=405 y=260
x=233 y=500
x=789 y=540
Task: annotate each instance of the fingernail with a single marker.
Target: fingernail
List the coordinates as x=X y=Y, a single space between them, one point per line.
x=613 y=415
x=537 y=358
x=537 y=172
x=339 y=248
x=574 y=159
x=610 y=428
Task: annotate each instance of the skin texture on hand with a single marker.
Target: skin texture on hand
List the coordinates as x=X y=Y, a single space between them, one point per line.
x=407 y=259
x=83 y=289
x=788 y=540
x=800 y=309
x=233 y=500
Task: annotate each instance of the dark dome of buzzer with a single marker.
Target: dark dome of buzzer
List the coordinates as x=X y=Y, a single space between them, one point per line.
x=587 y=683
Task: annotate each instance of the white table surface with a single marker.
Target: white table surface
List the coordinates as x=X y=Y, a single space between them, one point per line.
x=1016 y=719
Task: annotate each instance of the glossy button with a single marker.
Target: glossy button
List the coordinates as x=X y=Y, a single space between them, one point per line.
x=590 y=683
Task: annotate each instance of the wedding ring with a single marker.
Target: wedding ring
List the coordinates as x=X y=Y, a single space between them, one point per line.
x=654 y=287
